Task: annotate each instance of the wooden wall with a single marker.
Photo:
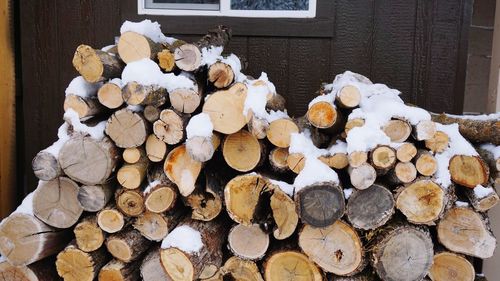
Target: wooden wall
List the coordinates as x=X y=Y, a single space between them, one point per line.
x=416 y=46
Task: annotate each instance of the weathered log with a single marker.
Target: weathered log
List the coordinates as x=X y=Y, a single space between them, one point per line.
x=220 y=74
x=479 y=131
x=43 y=270
x=370 y=208
x=337 y=248
x=406 y=152
x=131 y=176
x=56 y=203
x=110 y=95
x=248 y=242
x=278 y=159
x=241 y=269
x=87 y=160
x=46 y=166
x=425 y=163
x=96 y=65
x=127 y=128
x=468 y=171
x=242 y=151
x=83 y=106
x=74 y=264
x=464 y=231
x=362 y=177
x=203 y=263
x=284 y=213
x=127 y=245
x=136 y=94
x=203 y=148
x=171 y=126
x=160 y=198
x=401 y=252
x=111 y=220
x=156 y=149
x=275 y=102
x=88 y=235
x=182 y=170
x=318 y=137
x=118 y=270
x=383 y=158
x=494 y=163
x=134 y=46
x=366 y=275
x=151 y=269
x=397 y=130
x=450 y=266
x=151 y=113
x=482 y=198
x=438 y=143
x=290 y=265
x=258 y=127
x=279 y=132
x=225 y=109
x=94 y=198
x=130 y=201
x=321 y=204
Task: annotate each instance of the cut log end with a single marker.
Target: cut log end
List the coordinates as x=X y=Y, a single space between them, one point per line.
x=242 y=151
x=96 y=65
x=182 y=170
x=188 y=57
x=370 y=208
x=406 y=152
x=110 y=95
x=426 y=164
x=280 y=131
x=242 y=195
x=397 y=130
x=156 y=149
x=422 y=202
x=468 y=171
x=133 y=46
x=166 y=60
x=160 y=199
x=296 y=162
x=127 y=128
x=185 y=100
x=248 y=242
x=438 y=143
x=349 y=96
x=320 y=205
x=110 y=220
x=284 y=214
x=220 y=74
x=290 y=266
x=362 y=177
x=450 y=266
x=89 y=236
x=46 y=166
x=322 y=115
x=278 y=159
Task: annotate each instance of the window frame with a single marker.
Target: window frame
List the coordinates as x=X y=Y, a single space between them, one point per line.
x=226 y=11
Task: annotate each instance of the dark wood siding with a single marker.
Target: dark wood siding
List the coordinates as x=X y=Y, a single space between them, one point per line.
x=417 y=46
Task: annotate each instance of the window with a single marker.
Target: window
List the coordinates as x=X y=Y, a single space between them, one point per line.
x=230 y=8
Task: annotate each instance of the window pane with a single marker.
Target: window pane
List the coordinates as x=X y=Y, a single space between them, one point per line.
x=188 y=1
x=273 y=5
x=213 y=5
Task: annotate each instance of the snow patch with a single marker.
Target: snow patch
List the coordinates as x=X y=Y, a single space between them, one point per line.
x=213 y=54
x=96 y=132
x=348 y=193
x=79 y=87
x=258 y=92
x=184 y=238
x=118 y=82
x=63 y=137
x=483 y=117
x=461 y=204
x=135 y=108
x=26 y=206
x=200 y=125
x=493 y=149
x=151 y=185
x=147 y=28
x=284 y=186
x=481 y=191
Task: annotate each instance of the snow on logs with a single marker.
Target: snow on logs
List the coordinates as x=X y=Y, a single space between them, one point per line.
x=188 y=169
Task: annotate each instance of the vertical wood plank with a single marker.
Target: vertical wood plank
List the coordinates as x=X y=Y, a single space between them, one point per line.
x=494 y=84
x=7 y=112
x=394 y=29
x=421 y=54
x=309 y=64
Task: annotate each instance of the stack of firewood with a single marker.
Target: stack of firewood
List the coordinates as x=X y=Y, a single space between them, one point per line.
x=173 y=165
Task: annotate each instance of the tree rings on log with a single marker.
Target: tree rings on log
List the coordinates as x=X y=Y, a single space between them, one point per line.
x=242 y=151
x=370 y=208
x=279 y=132
x=450 y=266
x=469 y=171
x=291 y=266
x=96 y=65
x=127 y=128
x=133 y=46
x=321 y=204
x=248 y=242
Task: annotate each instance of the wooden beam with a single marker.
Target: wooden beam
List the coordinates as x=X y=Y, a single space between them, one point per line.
x=494 y=85
x=7 y=111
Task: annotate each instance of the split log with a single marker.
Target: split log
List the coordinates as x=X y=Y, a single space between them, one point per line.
x=478 y=131
x=397 y=130
x=130 y=201
x=242 y=197
x=74 y=264
x=279 y=132
x=155 y=227
x=83 y=106
x=206 y=204
x=131 y=176
x=127 y=128
x=469 y=171
x=88 y=235
x=422 y=202
x=383 y=158
x=290 y=265
x=136 y=94
x=171 y=126
x=278 y=159
x=127 y=245
x=182 y=265
x=87 y=160
x=166 y=60
x=406 y=152
x=362 y=177
x=94 y=198
x=24 y=239
x=324 y=115
x=425 y=163
x=321 y=204
x=220 y=74
x=348 y=97
x=110 y=95
x=438 y=143
x=225 y=109
x=450 y=266
x=111 y=220
x=43 y=270
x=134 y=46
x=151 y=113
x=182 y=170
x=242 y=151
x=336 y=248
x=284 y=214
x=241 y=269
x=156 y=149
x=46 y=166
x=96 y=65
x=160 y=198
x=357 y=158
x=402 y=252
x=56 y=203
x=424 y=130
x=337 y=161
x=296 y=162
x=482 y=198
x=370 y=208
x=248 y=242
x=464 y=231
x=203 y=148
x=120 y=271
x=402 y=173
x=151 y=268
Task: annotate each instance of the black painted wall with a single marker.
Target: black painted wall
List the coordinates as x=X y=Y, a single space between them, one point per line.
x=416 y=46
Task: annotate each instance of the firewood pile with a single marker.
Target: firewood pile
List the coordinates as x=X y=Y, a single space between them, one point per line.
x=174 y=165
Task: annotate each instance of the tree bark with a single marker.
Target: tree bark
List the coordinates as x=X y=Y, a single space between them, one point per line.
x=481 y=201
x=151 y=268
x=136 y=94
x=83 y=106
x=118 y=270
x=151 y=113
x=203 y=148
x=127 y=245
x=478 y=131
x=321 y=204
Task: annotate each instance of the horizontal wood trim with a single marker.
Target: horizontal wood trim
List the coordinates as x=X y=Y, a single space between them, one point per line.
x=320 y=26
